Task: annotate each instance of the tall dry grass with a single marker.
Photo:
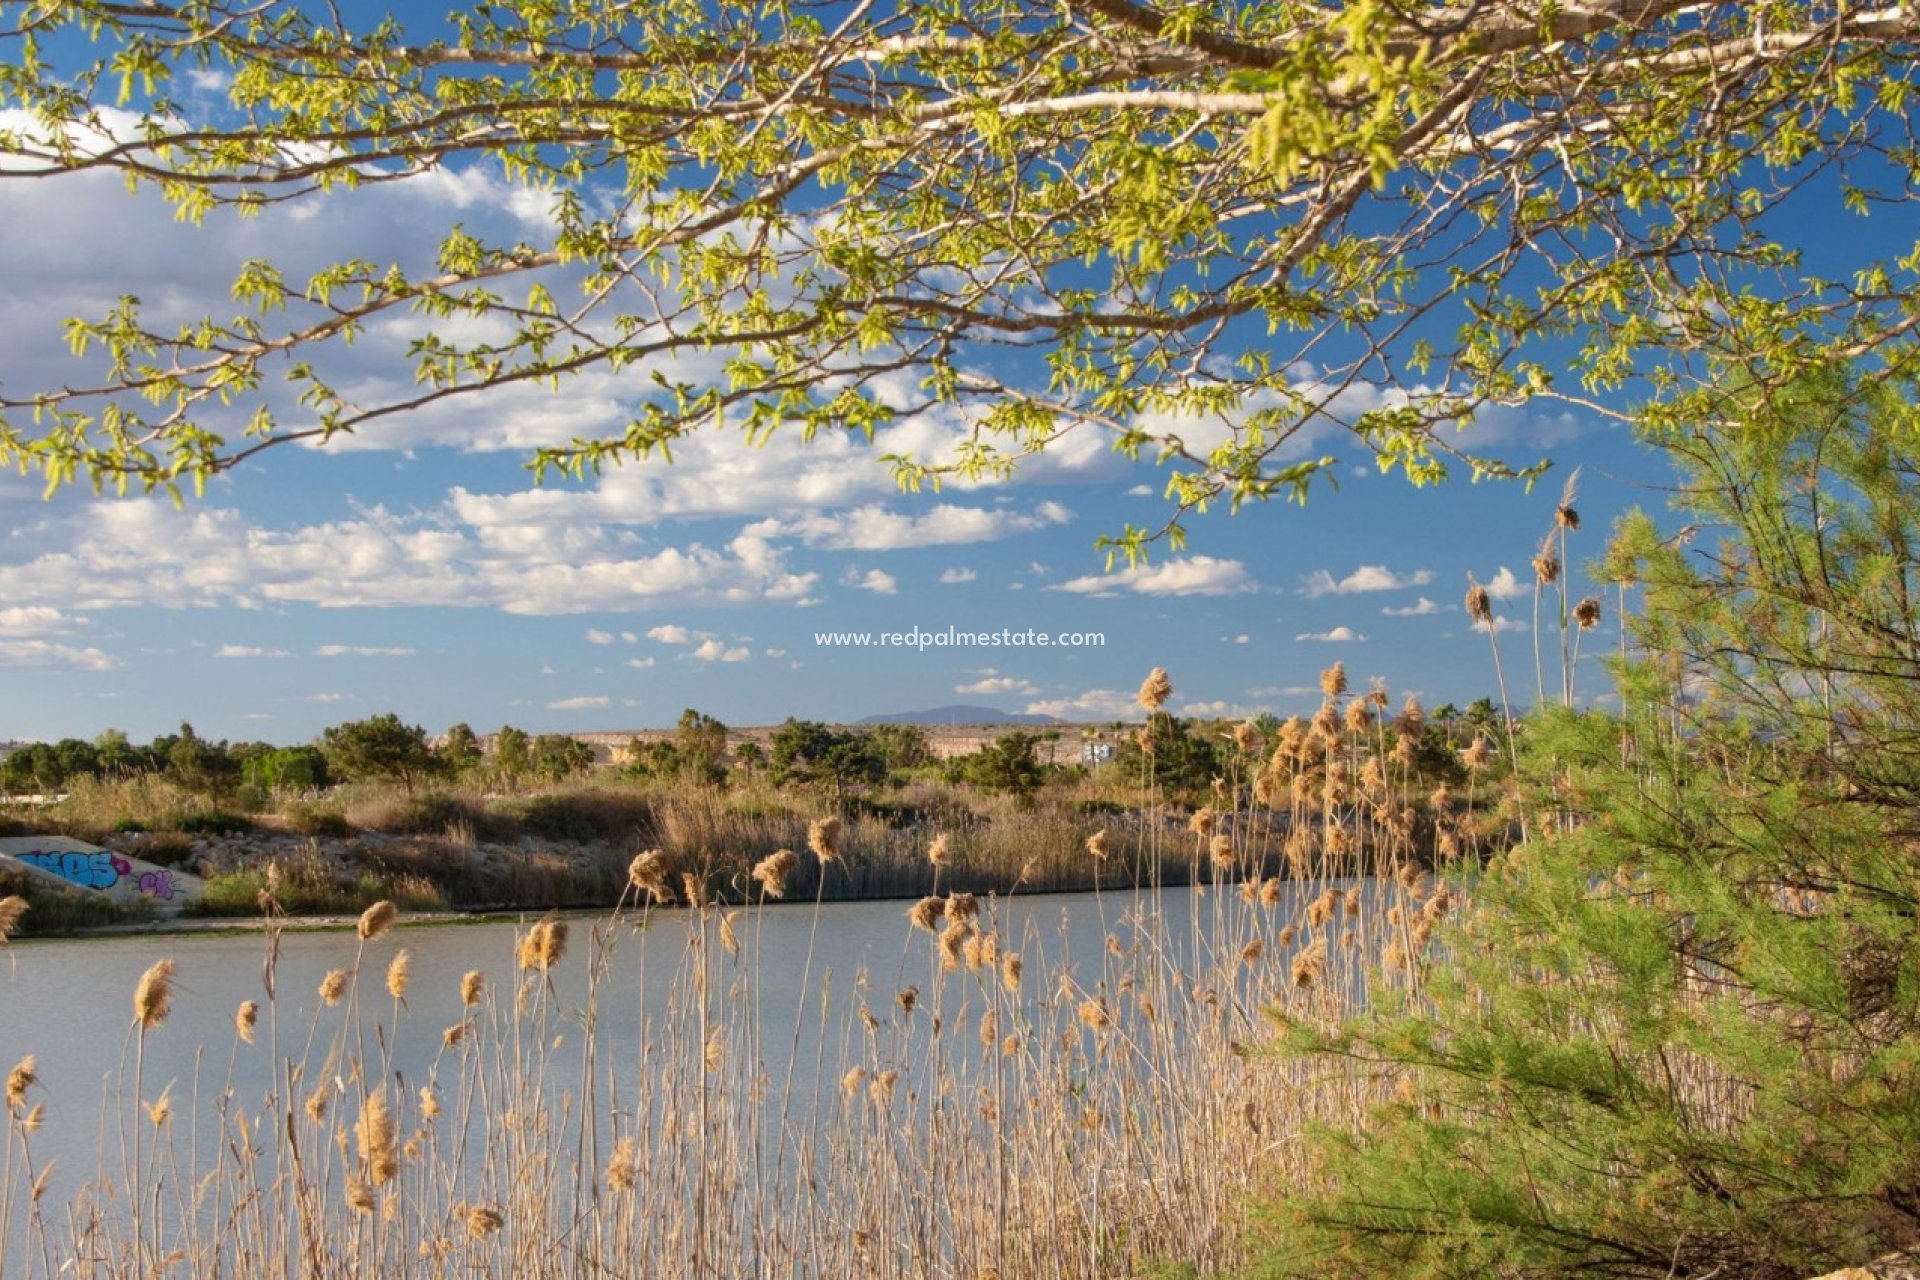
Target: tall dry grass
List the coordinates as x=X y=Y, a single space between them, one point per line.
x=1011 y=1111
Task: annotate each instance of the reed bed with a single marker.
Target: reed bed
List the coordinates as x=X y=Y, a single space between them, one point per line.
x=1024 y=1105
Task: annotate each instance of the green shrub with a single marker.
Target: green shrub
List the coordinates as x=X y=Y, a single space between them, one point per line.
x=213 y=822
x=315 y=820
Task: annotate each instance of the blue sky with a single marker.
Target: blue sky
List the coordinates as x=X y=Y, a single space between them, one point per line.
x=413 y=568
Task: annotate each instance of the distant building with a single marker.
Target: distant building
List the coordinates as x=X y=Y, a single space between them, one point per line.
x=1096 y=752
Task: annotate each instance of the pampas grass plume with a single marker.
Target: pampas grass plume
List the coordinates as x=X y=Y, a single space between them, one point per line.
x=153 y=995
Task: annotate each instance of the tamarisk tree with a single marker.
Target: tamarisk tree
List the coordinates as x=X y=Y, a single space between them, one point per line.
x=1221 y=234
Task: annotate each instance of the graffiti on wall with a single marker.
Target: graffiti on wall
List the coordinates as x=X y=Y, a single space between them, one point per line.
x=100 y=869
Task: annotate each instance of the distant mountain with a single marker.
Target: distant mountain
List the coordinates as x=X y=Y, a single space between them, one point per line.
x=959 y=715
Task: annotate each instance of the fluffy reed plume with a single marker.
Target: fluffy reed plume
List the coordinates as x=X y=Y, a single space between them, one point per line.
x=334 y=985
x=12 y=907
x=1587 y=613
x=1220 y=850
x=1252 y=951
x=771 y=872
x=908 y=999
x=1326 y=724
x=316 y=1105
x=1310 y=965
x=989 y=1028
x=483 y=1221
x=695 y=889
x=953 y=942
x=1095 y=1015
x=543 y=946
x=1270 y=891
x=1246 y=735
x=729 y=932
x=377 y=919
x=244 y=1019
x=1201 y=823
x=1322 y=908
x=1479 y=603
x=715 y=1053
x=962 y=906
x=160 y=1110
x=1359 y=716
x=1564 y=515
x=648 y=873
x=375 y=1135
x=1010 y=967
x=429 y=1103
x=453 y=1035
x=1097 y=845
x=927 y=913
x=153 y=995
x=399 y=969
x=850 y=1082
x=623 y=1172
x=1546 y=565
x=19 y=1080
x=823 y=837
x=1333 y=681
x=473 y=984
x=939 y=853
x=1352 y=901
x=359 y=1194
x=1288 y=934
x=1479 y=754
x=881 y=1090
x=1154 y=690
x=983 y=951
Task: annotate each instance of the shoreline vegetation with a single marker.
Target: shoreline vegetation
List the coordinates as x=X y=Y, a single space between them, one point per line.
x=453 y=841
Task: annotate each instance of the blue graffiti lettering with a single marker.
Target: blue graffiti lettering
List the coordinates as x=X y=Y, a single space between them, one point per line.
x=88 y=870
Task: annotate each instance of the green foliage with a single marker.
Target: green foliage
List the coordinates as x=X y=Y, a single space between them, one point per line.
x=1132 y=192
x=288 y=768
x=1008 y=765
x=555 y=757
x=461 y=751
x=1182 y=762
x=1680 y=1033
x=380 y=747
x=511 y=755
x=807 y=753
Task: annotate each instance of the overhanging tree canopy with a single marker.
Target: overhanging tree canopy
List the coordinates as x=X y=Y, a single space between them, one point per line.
x=1208 y=229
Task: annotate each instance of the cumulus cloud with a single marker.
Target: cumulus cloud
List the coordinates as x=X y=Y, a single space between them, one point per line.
x=363 y=651
x=1368 y=577
x=876 y=528
x=991 y=685
x=1500 y=625
x=1338 y=635
x=579 y=704
x=640 y=664
x=715 y=650
x=874 y=580
x=1094 y=704
x=673 y=633
x=1506 y=586
x=248 y=651
x=48 y=653
x=1184 y=576
x=1418 y=609
x=1140 y=491
x=953 y=576
x=597 y=636
x=1218 y=709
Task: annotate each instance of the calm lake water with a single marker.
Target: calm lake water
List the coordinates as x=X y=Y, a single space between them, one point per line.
x=69 y=1002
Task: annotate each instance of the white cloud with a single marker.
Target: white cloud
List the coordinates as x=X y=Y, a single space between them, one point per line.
x=597 y=636
x=1505 y=586
x=36 y=620
x=1185 y=576
x=1339 y=635
x=258 y=715
x=992 y=685
x=324 y=697
x=952 y=576
x=579 y=704
x=1418 y=609
x=47 y=653
x=247 y=651
x=1140 y=491
x=1368 y=577
x=1242 y=638
x=1094 y=704
x=673 y=633
x=627 y=637
x=714 y=650
x=640 y=664
x=362 y=651
x=1500 y=625
x=1218 y=710
x=874 y=580
x=876 y=528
